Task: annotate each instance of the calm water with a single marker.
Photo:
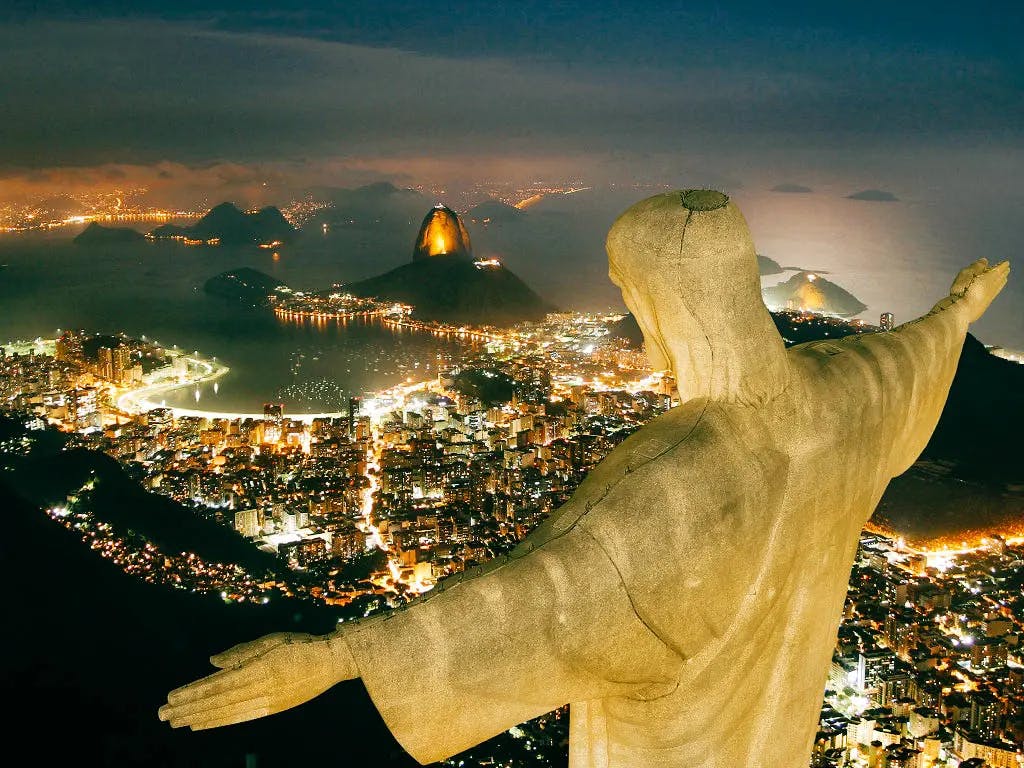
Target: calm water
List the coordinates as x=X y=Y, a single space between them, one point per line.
x=155 y=289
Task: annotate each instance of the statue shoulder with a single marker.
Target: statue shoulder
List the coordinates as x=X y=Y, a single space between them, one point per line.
x=647 y=445
x=692 y=529
x=728 y=453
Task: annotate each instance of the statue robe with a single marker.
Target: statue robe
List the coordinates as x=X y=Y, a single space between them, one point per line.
x=685 y=601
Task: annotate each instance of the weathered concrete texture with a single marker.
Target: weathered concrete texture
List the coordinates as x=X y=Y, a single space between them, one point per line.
x=685 y=600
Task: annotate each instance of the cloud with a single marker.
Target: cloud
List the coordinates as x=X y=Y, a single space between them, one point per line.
x=874 y=195
x=140 y=91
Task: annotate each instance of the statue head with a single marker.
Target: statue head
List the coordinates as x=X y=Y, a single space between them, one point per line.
x=688 y=272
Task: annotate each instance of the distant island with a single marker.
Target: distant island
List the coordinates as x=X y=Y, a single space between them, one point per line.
x=97 y=234
x=226 y=224
x=767 y=266
x=810 y=292
x=372 y=204
x=244 y=284
x=494 y=212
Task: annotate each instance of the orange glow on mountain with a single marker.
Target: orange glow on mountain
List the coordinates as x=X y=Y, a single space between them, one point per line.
x=442 y=232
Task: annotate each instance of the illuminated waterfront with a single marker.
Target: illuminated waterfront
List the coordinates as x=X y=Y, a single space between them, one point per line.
x=155 y=290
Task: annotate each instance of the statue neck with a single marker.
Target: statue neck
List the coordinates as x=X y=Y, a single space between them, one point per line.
x=732 y=359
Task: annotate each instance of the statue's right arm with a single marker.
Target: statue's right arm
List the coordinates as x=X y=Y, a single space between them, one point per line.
x=916 y=363
x=486 y=652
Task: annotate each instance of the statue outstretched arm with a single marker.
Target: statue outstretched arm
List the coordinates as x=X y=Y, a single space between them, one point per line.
x=916 y=363
x=462 y=664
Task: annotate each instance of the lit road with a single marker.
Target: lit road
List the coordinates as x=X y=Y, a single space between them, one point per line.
x=388 y=401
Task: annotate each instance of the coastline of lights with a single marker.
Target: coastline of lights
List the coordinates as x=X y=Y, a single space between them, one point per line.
x=320 y=314
x=941 y=552
x=394 y=316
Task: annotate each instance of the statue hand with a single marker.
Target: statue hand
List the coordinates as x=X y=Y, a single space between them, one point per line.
x=260 y=678
x=978 y=284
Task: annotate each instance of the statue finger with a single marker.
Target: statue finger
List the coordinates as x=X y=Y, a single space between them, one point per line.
x=218 y=682
x=237 y=712
x=233 y=720
x=244 y=651
x=235 y=695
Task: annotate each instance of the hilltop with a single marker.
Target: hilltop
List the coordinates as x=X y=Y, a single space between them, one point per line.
x=97 y=234
x=243 y=284
x=810 y=292
x=232 y=226
x=106 y=647
x=494 y=212
x=452 y=288
x=768 y=266
x=51 y=473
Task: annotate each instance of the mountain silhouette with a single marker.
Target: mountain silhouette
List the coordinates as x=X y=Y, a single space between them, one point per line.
x=494 y=212
x=452 y=288
x=233 y=226
x=243 y=284
x=92 y=652
x=97 y=234
x=810 y=292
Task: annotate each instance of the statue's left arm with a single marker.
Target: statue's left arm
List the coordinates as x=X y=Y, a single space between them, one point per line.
x=918 y=360
x=487 y=652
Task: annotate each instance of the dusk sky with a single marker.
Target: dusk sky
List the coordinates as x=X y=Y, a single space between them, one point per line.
x=595 y=88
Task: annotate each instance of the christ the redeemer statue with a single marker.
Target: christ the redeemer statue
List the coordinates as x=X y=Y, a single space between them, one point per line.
x=685 y=601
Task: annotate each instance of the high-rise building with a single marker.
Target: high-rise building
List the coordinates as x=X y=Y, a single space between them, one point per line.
x=122 y=363
x=249 y=522
x=114 y=363
x=82 y=408
x=303 y=553
x=986 y=715
x=995 y=754
x=68 y=347
x=160 y=419
x=901 y=631
x=353 y=415
x=873 y=666
x=105 y=366
x=892 y=688
x=923 y=721
x=273 y=418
